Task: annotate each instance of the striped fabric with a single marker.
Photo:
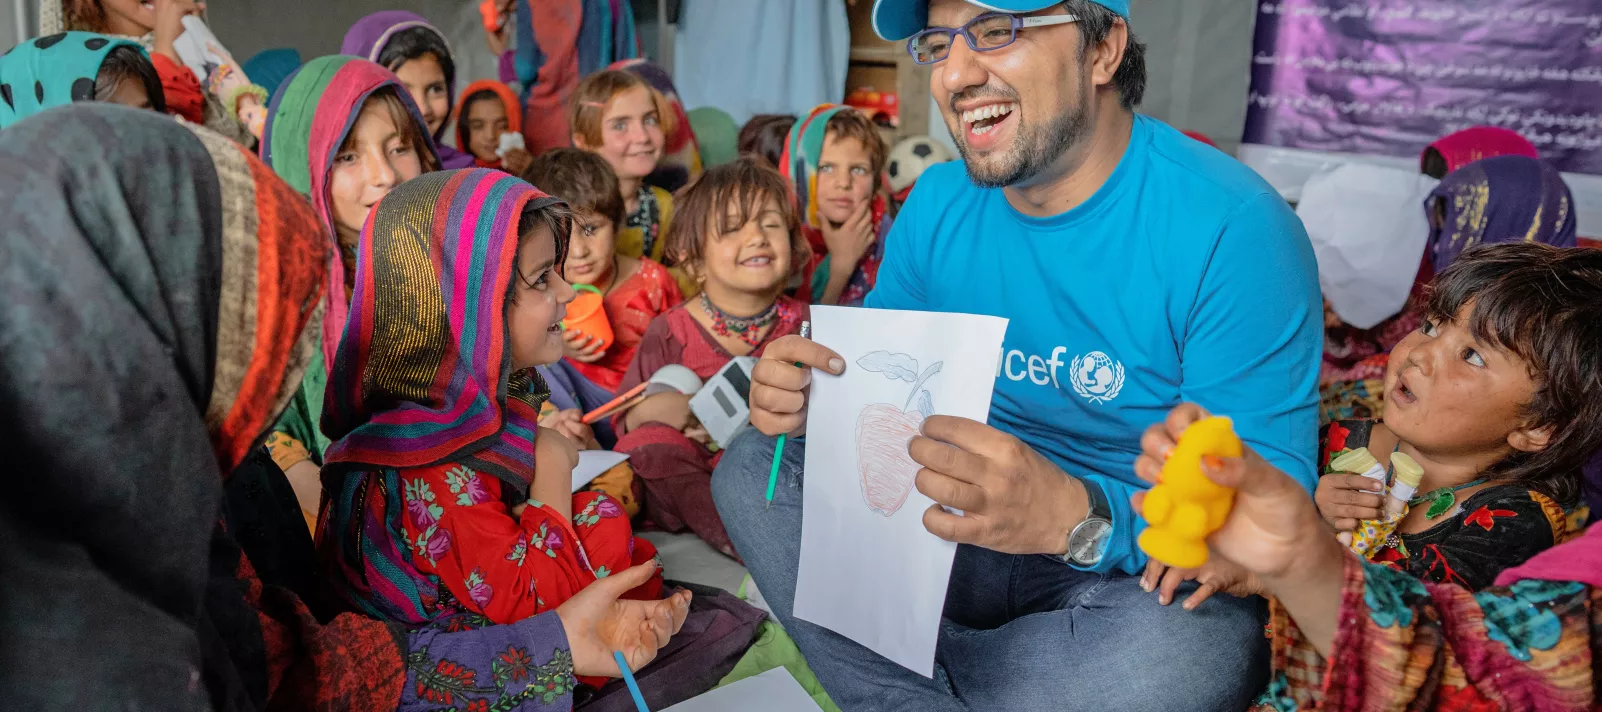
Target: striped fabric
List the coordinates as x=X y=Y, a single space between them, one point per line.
x=423 y=373
x=306 y=124
x=799 y=162
x=271 y=307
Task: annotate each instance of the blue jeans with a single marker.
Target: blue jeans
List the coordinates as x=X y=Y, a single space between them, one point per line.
x=1019 y=632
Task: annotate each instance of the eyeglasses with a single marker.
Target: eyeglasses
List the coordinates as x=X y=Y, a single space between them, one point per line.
x=985 y=33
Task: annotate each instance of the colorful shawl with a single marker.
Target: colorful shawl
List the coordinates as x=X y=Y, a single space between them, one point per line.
x=170 y=268
x=799 y=163
x=547 y=65
x=1480 y=142
x=368 y=38
x=681 y=156
x=307 y=122
x=514 y=114
x=423 y=374
x=1502 y=199
x=52 y=71
x=606 y=35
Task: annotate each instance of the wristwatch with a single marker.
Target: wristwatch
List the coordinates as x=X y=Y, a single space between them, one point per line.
x=1088 y=540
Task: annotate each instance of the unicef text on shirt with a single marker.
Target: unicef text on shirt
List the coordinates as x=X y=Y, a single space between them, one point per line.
x=1094 y=376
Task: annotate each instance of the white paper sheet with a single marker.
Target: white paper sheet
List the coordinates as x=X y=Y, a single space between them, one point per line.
x=869 y=570
x=592 y=463
x=772 y=691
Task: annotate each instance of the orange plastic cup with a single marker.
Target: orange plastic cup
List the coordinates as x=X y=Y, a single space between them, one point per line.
x=586 y=315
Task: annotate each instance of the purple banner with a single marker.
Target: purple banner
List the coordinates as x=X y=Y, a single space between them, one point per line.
x=1387 y=77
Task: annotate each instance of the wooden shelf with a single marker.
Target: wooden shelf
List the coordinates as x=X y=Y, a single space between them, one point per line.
x=877 y=55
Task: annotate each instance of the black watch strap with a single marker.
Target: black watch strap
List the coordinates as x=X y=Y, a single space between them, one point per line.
x=1099 y=508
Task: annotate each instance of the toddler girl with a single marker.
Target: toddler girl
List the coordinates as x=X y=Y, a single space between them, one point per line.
x=448 y=505
x=1495 y=396
x=736 y=239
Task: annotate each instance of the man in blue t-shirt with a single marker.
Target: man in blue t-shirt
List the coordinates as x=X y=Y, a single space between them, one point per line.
x=1140 y=269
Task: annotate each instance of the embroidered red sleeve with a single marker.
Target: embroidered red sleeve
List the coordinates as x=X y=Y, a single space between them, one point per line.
x=181 y=89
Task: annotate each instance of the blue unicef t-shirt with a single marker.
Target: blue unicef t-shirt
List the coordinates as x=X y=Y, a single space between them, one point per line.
x=1184 y=278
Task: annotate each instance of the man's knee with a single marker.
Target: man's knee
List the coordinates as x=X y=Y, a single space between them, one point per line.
x=748 y=458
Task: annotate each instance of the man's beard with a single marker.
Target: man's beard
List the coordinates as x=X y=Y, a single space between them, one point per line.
x=1034 y=148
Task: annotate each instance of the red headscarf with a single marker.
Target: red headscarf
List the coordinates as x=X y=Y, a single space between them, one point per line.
x=514 y=115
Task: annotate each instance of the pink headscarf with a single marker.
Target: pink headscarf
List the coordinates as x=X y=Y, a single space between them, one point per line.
x=1472 y=144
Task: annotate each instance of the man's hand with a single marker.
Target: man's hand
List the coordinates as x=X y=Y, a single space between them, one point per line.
x=779 y=388
x=1013 y=500
x=597 y=623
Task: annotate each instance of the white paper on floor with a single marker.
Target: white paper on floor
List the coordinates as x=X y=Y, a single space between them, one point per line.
x=772 y=691
x=592 y=463
x=869 y=570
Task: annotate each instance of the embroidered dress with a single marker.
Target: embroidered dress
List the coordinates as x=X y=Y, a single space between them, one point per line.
x=644 y=232
x=675 y=472
x=1494 y=529
x=1403 y=644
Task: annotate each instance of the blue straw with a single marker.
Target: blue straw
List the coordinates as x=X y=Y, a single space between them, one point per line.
x=628 y=679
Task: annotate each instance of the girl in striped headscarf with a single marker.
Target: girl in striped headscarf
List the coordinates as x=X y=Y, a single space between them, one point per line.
x=343 y=131
x=448 y=504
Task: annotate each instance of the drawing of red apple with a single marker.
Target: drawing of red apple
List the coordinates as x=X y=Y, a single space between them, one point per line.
x=883 y=431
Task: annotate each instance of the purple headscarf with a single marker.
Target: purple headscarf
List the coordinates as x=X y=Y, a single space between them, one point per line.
x=1501 y=199
x=367 y=39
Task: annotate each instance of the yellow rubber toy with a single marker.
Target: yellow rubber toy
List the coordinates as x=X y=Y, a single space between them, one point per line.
x=1184 y=507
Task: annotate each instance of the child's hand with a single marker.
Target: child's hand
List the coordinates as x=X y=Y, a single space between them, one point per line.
x=570 y=423
x=516 y=161
x=170 y=24
x=671 y=409
x=554 y=459
x=1344 y=500
x=1218 y=574
x=1273 y=530
x=853 y=240
x=597 y=623
x=583 y=348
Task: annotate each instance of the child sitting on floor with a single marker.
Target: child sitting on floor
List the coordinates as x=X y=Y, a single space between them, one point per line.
x=1495 y=395
x=447 y=505
x=736 y=237
x=635 y=289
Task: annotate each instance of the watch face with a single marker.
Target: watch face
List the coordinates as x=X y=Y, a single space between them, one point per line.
x=1089 y=541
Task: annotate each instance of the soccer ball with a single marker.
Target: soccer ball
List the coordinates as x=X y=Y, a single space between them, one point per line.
x=911 y=157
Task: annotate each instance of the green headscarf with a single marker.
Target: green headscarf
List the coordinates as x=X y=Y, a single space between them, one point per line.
x=718 y=135
x=52 y=71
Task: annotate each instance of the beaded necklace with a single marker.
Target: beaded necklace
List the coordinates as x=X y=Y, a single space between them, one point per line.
x=747 y=329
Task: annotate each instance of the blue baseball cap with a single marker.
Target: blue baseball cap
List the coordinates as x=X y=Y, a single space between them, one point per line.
x=899 y=19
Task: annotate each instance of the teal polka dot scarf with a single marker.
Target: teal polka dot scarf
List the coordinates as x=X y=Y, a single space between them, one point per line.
x=52 y=71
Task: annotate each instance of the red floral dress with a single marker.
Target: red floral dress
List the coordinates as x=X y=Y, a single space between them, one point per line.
x=462 y=534
x=1494 y=529
x=630 y=307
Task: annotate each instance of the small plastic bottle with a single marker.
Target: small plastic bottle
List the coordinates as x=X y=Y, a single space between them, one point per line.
x=1361 y=462
x=1372 y=533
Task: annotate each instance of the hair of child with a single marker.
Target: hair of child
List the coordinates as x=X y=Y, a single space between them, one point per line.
x=765 y=135
x=414 y=42
x=415 y=134
x=587 y=108
x=722 y=201
x=582 y=179
x=474 y=98
x=124 y=63
x=857 y=125
x=554 y=216
x=1543 y=304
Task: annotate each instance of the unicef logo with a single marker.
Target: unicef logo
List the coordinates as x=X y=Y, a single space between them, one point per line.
x=1096 y=377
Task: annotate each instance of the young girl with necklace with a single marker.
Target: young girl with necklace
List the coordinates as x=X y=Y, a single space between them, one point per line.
x=735 y=235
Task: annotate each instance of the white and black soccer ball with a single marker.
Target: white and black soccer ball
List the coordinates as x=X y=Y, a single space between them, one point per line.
x=911 y=157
